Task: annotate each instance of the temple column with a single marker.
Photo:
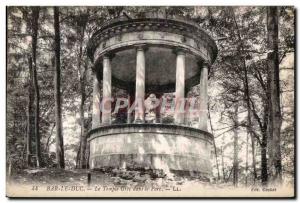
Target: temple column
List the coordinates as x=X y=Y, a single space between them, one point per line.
x=140 y=85
x=96 y=104
x=180 y=87
x=128 y=109
x=106 y=102
x=203 y=97
x=130 y=101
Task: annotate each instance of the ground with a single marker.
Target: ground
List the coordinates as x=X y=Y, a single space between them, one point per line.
x=109 y=177
x=119 y=183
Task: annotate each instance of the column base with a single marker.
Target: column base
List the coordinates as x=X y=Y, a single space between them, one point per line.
x=105 y=123
x=179 y=123
x=139 y=121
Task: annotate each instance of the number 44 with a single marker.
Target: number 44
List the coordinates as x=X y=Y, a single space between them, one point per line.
x=35 y=188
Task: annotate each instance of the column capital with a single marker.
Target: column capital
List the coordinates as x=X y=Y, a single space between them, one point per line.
x=205 y=64
x=201 y=63
x=109 y=56
x=141 y=47
x=180 y=51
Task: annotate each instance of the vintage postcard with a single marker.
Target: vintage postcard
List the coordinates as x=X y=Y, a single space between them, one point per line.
x=150 y=101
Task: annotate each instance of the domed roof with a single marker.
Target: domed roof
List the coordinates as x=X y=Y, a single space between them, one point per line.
x=163 y=35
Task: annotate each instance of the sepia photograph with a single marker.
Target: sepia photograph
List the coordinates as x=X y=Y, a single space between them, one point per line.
x=150 y=102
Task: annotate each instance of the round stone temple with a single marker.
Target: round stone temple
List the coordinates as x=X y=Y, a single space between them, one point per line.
x=150 y=55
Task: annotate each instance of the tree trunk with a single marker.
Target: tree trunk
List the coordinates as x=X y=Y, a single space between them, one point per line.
x=275 y=112
x=57 y=96
x=247 y=165
x=222 y=159
x=35 y=18
x=30 y=114
x=236 y=149
x=246 y=97
x=264 y=164
x=214 y=143
x=48 y=139
x=87 y=155
x=78 y=156
x=82 y=80
x=253 y=158
x=82 y=134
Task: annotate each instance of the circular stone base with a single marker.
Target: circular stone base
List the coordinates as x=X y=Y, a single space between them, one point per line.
x=153 y=146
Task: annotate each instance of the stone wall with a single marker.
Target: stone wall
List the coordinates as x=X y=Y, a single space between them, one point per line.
x=154 y=146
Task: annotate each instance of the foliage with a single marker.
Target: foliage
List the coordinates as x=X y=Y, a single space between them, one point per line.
x=240 y=33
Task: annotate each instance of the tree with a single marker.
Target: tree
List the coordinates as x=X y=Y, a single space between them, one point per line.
x=235 y=146
x=245 y=71
x=35 y=18
x=82 y=21
x=30 y=114
x=275 y=119
x=246 y=94
x=59 y=133
x=214 y=143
